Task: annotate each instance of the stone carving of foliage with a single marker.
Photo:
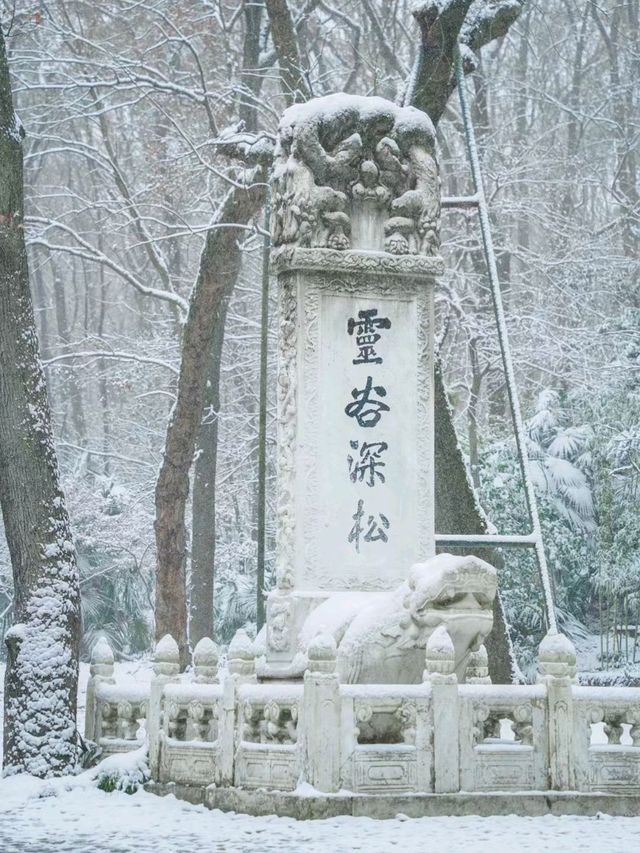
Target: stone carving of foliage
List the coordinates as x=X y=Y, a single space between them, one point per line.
x=406 y=713
x=279 y=623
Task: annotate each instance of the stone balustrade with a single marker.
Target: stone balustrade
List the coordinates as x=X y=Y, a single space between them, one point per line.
x=228 y=729
x=116 y=714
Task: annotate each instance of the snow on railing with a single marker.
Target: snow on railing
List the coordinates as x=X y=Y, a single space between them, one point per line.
x=115 y=713
x=223 y=727
x=266 y=725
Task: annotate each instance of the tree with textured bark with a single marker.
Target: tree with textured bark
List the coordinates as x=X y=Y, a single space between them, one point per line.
x=472 y=24
x=203 y=504
x=42 y=666
x=219 y=267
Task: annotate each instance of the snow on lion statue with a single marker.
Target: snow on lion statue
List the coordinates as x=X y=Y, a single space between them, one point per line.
x=381 y=637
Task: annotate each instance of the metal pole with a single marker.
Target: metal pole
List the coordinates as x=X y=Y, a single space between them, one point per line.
x=505 y=350
x=262 y=420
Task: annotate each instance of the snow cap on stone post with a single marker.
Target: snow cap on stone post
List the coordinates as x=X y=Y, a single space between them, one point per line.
x=440 y=657
x=556 y=658
x=241 y=654
x=102 y=658
x=321 y=653
x=166 y=659
x=478 y=667
x=205 y=661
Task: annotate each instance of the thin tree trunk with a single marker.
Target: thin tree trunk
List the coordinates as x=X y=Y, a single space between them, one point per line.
x=219 y=266
x=203 y=546
x=74 y=394
x=203 y=507
x=41 y=679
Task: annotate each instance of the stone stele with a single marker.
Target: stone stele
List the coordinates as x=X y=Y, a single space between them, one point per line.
x=355 y=219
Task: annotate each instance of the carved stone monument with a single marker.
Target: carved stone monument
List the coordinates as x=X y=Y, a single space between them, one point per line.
x=383 y=701
x=356 y=214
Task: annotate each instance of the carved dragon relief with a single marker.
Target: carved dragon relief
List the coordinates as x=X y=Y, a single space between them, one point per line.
x=342 y=158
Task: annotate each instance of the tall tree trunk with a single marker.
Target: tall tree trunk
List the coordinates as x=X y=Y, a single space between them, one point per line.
x=219 y=266
x=457 y=509
x=204 y=492
x=203 y=506
x=42 y=669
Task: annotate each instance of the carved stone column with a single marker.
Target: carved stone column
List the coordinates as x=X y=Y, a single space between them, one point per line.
x=101 y=670
x=321 y=716
x=440 y=671
x=166 y=666
x=356 y=209
x=557 y=669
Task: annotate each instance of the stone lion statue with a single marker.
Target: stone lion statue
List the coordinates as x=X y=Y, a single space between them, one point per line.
x=381 y=637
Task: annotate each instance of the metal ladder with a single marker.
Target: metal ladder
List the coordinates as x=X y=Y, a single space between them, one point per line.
x=478 y=202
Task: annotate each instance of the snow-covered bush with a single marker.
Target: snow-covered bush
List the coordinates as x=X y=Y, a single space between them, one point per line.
x=560 y=465
x=125 y=772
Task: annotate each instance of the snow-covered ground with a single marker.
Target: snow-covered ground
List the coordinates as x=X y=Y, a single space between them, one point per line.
x=67 y=815
x=36 y=819
x=588 y=657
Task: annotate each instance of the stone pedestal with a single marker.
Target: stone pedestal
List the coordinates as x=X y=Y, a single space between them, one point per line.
x=166 y=666
x=557 y=669
x=356 y=202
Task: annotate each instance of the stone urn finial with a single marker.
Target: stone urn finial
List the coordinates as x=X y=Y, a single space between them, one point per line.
x=102 y=658
x=205 y=661
x=440 y=657
x=241 y=654
x=166 y=659
x=478 y=667
x=556 y=657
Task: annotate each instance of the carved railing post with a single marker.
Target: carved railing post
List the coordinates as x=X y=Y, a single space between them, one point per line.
x=166 y=666
x=557 y=669
x=321 y=716
x=101 y=669
x=241 y=657
x=478 y=667
x=440 y=671
x=241 y=665
x=205 y=662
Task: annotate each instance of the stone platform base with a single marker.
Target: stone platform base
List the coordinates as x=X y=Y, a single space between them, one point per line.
x=316 y=806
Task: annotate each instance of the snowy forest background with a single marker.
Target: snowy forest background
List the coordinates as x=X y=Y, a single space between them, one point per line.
x=124 y=104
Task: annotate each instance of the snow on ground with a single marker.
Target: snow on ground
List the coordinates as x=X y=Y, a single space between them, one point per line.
x=90 y=820
x=588 y=658
x=72 y=816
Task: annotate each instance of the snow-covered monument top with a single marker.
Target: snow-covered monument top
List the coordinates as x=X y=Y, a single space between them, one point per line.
x=356 y=174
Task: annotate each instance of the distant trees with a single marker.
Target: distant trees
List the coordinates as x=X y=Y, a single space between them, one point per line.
x=42 y=664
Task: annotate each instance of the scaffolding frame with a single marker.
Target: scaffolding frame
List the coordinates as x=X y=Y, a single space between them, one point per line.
x=478 y=202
